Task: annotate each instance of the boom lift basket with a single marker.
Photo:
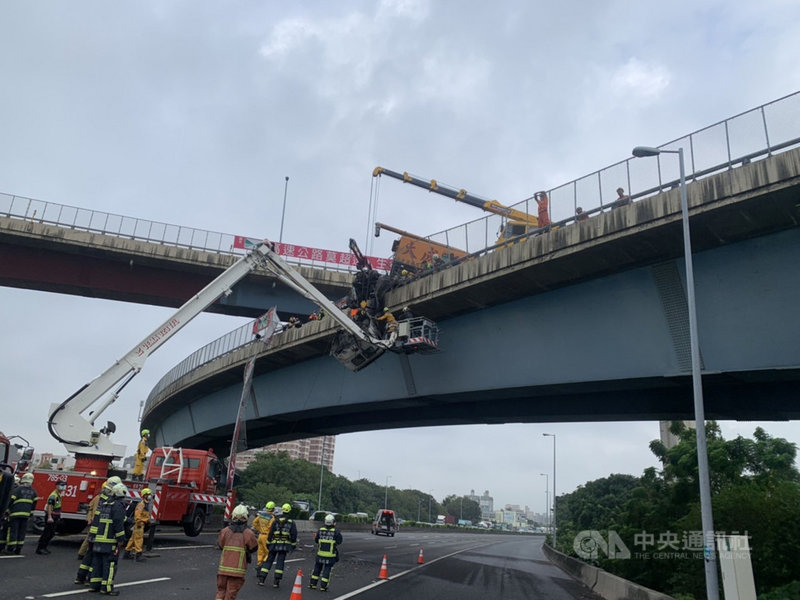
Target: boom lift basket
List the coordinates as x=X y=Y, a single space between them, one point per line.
x=418 y=334
x=353 y=354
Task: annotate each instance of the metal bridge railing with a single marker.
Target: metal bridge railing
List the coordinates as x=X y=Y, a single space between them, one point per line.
x=229 y=342
x=751 y=135
x=143 y=230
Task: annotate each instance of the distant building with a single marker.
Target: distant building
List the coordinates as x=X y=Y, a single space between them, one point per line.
x=56 y=462
x=318 y=450
x=486 y=502
x=668 y=438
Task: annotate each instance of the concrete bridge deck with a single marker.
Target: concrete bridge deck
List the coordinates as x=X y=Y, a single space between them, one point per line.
x=514 y=319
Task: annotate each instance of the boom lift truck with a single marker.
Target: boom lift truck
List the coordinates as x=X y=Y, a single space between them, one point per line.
x=516 y=222
x=185 y=482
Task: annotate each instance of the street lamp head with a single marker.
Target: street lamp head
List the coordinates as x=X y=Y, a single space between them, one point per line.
x=549 y=434
x=642 y=151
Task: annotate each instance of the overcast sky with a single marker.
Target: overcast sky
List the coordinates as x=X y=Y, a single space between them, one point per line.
x=193 y=112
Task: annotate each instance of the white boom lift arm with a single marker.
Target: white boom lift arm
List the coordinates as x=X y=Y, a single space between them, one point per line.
x=72 y=422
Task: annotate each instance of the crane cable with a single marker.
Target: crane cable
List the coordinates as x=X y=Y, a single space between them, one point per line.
x=372 y=212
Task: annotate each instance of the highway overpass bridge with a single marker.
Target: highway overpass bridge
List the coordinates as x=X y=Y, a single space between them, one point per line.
x=585 y=322
x=101 y=258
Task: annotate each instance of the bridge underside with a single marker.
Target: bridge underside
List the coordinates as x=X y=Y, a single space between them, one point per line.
x=611 y=348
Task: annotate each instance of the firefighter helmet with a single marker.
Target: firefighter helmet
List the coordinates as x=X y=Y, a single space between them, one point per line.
x=111 y=482
x=286 y=508
x=145 y=432
x=147 y=492
x=240 y=513
x=120 y=490
x=26 y=478
x=329 y=519
x=270 y=506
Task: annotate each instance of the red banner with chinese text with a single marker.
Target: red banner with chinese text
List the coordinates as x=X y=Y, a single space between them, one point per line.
x=313 y=254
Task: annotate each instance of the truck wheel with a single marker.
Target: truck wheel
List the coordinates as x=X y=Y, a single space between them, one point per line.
x=195 y=525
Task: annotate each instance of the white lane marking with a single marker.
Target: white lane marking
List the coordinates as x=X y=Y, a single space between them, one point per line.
x=406 y=572
x=118 y=585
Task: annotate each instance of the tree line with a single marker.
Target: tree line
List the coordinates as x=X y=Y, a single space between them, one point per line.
x=755 y=492
x=279 y=478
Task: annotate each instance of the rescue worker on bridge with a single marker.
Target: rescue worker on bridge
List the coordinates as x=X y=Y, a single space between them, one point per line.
x=52 y=513
x=109 y=524
x=282 y=540
x=390 y=333
x=262 y=524
x=141 y=519
x=23 y=500
x=236 y=541
x=85 y=551
x=327 y=539
x=141 y=455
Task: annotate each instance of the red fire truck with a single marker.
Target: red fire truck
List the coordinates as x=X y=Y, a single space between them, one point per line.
x=187 y=484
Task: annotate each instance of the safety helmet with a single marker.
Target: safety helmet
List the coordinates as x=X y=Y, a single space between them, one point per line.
x=286 y=508
x=270 y=505
x=147 y=492
x=145 y=432
x=111 y=482
x=329 y=519
x=120 y=490
x=26 y=478
x=405 y=308
x=240 y=513
x=385 y=309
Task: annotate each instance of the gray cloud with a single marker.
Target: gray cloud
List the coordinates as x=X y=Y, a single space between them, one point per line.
x=193 y=114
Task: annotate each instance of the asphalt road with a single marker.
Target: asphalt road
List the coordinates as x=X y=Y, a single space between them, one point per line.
x=457 y=566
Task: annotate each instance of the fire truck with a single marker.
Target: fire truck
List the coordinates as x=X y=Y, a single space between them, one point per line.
x=187 y=484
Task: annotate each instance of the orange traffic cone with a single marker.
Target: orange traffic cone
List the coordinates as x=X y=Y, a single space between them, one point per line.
x=420 y=558
x=297 y=588
x=384 y=574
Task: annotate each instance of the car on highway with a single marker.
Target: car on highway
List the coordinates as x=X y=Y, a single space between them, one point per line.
x=385 y=523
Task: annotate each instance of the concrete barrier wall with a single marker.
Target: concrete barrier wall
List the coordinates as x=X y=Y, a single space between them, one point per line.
x=601 y=582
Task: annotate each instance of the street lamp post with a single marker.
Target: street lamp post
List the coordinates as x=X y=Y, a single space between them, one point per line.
x=706 y=516
x=283 y=212
x=429 y=506
x=554 y=525
x=461 y=510
x=547 y=497
x=419 y=508
x=386 y=494
x=321 y=473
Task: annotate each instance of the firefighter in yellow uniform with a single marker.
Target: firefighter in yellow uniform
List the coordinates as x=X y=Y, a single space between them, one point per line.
x=141 y=456
x=141 y=517
x=262 y=524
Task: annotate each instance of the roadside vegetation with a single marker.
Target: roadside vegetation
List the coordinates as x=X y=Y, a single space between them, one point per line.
x=281 y=479
x=755 y=492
